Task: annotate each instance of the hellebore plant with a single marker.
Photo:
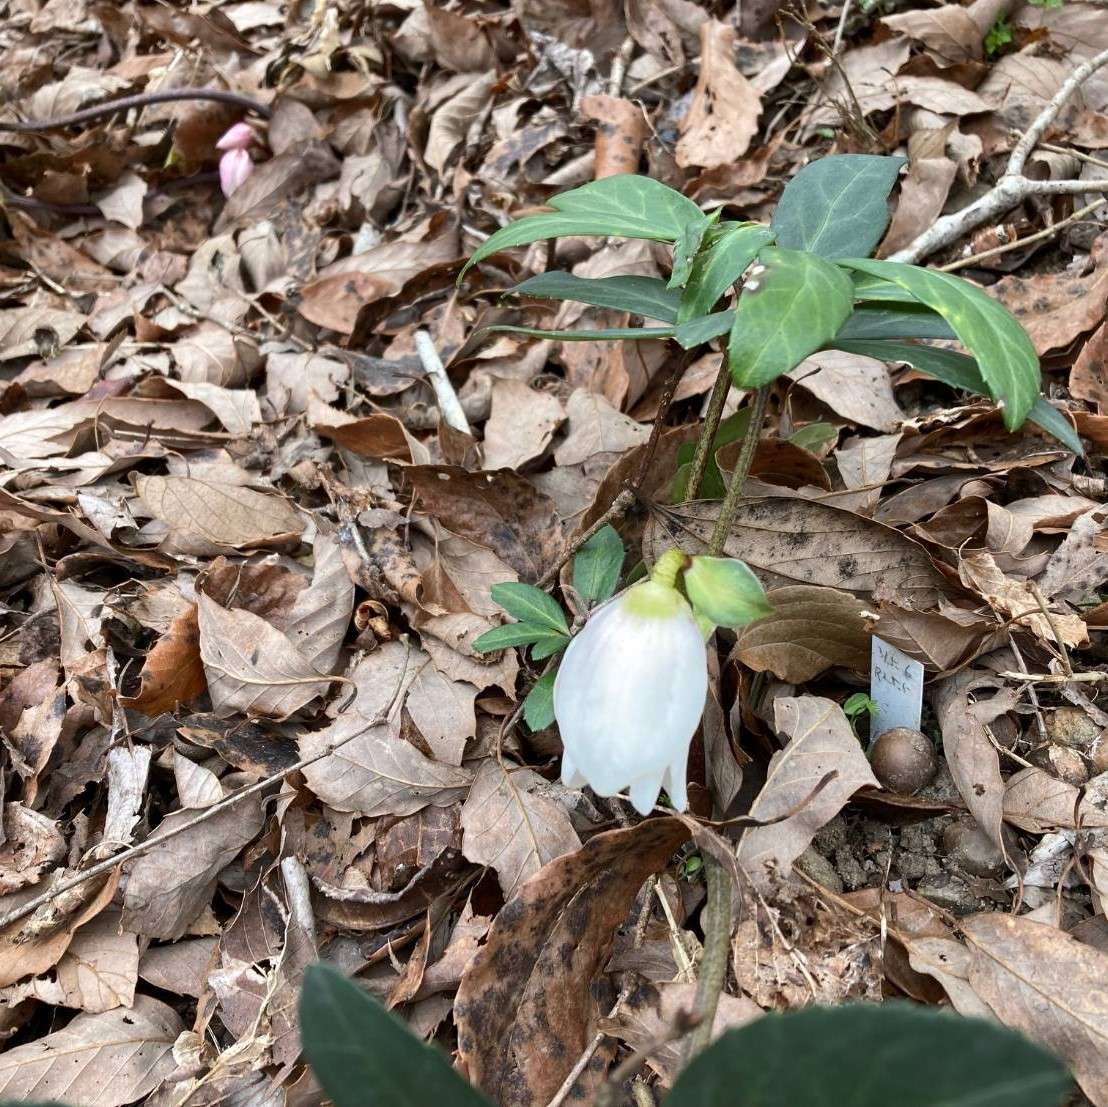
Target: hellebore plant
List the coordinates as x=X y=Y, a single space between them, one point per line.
x=236 y=164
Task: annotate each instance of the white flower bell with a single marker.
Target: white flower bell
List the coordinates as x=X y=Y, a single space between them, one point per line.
x=630 y=692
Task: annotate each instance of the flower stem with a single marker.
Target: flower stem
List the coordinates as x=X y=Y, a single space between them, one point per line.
x=742 y=471
x=708 y=434
x=668 y=566
x=717 y=909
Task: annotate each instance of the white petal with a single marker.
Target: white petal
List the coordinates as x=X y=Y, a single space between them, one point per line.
x=644 y=793
x=629 y=695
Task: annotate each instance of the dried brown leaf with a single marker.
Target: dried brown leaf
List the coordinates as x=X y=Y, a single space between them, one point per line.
x=521 y=424
x=173 y=672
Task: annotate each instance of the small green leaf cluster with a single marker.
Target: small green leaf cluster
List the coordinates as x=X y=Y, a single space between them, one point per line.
x=542 y=624
x=862 y=1054
x=804 y=283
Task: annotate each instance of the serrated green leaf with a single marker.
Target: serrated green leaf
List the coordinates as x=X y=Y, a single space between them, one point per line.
x=645 y=296
x=687 y=247
x=538 y=707
x=859 y=1054
x=365 y=1057
x=959 y=371
x=1005 y=355
x=511 y=634
x=787 y=310
x=703 y=329
x=530 y=605
x=625 y=206
x=878 y=321
x=597 y=565
x=719 y=266
x=837 y=207
x=611 y=334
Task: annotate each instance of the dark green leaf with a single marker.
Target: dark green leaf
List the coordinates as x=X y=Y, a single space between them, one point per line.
x=687 y=247
x=959 y=371
x=837 y=207
x=530 y=605
x=871 y=1055
x=545 y=647
x=719 y=266
x=597 y=565
x=513 y=634
x=703 y=329
x=364 y=1057
x=1005 y=355
x=790 y=306
x=912 y=320
x=646 y=296
x=876 y=289
x=538 y=707
x=612 y=334
x=815 y=437
x=627 y=206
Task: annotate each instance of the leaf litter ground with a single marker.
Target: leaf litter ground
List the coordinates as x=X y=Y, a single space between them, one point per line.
x=246 y=558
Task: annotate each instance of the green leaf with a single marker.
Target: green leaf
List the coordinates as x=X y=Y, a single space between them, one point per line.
x=1005 y=355
x=815 y=437
x=365 y=1057
x=711 y=486
x=545 y=647
x=720 y=265
x=912 y=320
x=513 y=634
x=627 y=206
x=612 y=334
x=646 y=296
x=790 y=307
x=837 y=207
x=698 y=331
x=530 y=605
x=597 y=565
x=871 y=1055
x=538 y=707
x=687 y=247
x=959 y=371
x=871 y=289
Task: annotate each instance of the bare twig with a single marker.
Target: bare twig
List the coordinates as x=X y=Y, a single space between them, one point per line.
x=620 y=506
x=447 y=398
x=1013 y=187
x=840 y=30
x=1055 y=678
x=619 y=67
x=1040 y=599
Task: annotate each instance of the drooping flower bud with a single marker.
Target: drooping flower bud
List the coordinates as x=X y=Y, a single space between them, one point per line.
x=725 y=591
x=234 y=167
x=239 y=137
x=630 y=692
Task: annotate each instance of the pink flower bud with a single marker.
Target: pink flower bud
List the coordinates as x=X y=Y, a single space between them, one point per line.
x=238 y=137
x=234 y=167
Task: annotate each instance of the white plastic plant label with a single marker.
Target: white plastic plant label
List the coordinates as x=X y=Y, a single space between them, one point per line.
x=896 y=687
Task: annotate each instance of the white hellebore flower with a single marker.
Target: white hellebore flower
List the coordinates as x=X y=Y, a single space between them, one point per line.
x=630 y=692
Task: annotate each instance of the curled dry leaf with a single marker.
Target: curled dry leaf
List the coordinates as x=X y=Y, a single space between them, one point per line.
x=524 y=1003
x=173 y=672
x=510 y=825
x=620 y=134
x=810 y=630
x=821 y=745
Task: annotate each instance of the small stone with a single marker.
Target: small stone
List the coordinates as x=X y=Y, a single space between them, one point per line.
x=1071 y=726
x=904 y=760
x=1062 y=762
x=949 y=893
x=815 y=865
x=1006 y=731
x=972 y=850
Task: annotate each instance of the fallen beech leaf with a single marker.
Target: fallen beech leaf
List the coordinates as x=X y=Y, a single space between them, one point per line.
x=173 y=672
x=794 y=541
x=723 y=115
x=1089 y=376
x=923 y=194
x=1037 y=802
x=108 y=1059
x=122 y=203
x=442 y=710
x=511 y=826
x=810 y=630
x=853 y=386
x=1055 y=308
x=251 y=666
x=1049 y=985
x=521 y=425
x=205 y=517
x=595 y=427
x=821 y=742
x=499 y=510
x=376 y=772
x=971 y=756
x=620 y=134
x=524 y=1006
x=1078 y=567
x=950 y=33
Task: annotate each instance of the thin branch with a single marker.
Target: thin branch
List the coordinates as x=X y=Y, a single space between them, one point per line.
x=1013 y=187
x=712 y=418
x=447 y=398
x=620 y=506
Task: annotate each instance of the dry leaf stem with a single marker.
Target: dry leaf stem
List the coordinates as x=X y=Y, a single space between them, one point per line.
x=1013 y=187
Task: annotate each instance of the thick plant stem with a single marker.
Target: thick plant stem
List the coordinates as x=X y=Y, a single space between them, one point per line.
x=717 y=910
x=712 y=419
x=742 y=471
